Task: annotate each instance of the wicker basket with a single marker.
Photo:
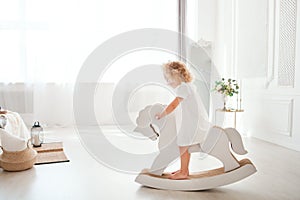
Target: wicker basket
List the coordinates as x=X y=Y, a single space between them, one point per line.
x=18 y=160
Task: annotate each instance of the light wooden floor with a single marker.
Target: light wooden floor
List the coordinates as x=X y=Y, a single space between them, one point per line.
x=278 y=176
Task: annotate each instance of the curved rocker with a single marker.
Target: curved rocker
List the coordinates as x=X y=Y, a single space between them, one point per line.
x=216 y=144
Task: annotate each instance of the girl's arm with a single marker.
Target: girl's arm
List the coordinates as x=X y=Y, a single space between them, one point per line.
x=169 y=108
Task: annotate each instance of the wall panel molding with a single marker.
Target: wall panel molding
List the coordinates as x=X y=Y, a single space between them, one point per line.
x=271 y=27
x=279 y=115
x=287 y=42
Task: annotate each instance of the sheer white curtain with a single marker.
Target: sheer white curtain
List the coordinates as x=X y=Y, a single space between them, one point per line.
x=44 y=43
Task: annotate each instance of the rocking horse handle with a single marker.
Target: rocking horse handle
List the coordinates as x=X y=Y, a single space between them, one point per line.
x=153 y=129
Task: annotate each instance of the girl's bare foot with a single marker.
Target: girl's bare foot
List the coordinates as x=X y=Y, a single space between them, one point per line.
x=172 y=173
x=179 y=176
x=175 y=171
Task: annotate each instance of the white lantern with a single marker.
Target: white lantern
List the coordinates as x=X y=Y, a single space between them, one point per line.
x=37 y=135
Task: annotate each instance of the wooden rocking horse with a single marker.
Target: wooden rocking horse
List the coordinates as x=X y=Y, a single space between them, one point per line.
x=218 y=143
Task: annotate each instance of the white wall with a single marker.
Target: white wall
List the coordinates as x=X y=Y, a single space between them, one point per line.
x=246 y=46
x=274 y=110
x=222 y=44
x=250 y=38
x=206 y=19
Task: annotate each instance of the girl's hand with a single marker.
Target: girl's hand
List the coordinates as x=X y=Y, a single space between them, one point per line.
x=3 y=112
x=158 y=116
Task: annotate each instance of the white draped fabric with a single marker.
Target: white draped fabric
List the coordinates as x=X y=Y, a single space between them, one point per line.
x=44 y=43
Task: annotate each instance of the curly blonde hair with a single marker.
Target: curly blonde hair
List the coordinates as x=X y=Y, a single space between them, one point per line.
x=179 y=69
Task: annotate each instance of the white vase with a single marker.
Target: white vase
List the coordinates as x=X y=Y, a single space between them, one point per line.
x=225 y=98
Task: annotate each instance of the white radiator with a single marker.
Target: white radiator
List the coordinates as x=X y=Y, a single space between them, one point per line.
x=17 y=97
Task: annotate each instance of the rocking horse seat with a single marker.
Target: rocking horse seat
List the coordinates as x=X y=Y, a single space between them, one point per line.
x=198 y=181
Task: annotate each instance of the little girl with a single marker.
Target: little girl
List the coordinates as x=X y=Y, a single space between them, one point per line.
x=194 y=123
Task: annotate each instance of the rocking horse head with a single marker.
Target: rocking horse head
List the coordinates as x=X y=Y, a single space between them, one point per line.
x=146 y=122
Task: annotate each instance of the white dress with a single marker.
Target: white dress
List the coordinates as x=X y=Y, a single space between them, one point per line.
x=192 y=121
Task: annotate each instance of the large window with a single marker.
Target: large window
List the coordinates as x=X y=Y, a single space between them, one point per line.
x=47 y=41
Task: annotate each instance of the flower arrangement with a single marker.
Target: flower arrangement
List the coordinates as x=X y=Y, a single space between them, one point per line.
x=227 y=88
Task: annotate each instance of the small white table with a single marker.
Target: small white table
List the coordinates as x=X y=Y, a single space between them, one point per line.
x=229 y=111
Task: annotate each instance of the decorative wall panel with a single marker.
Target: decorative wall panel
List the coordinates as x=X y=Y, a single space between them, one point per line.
x=287 y=42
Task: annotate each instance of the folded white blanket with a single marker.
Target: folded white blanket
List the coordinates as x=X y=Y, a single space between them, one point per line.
x=16 y=126
x=11 y=142
x=15 y=134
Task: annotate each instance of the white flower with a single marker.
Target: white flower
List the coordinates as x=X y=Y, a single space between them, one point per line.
x=218 y=87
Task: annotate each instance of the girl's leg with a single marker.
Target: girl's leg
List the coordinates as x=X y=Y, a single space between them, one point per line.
x=183 y=173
